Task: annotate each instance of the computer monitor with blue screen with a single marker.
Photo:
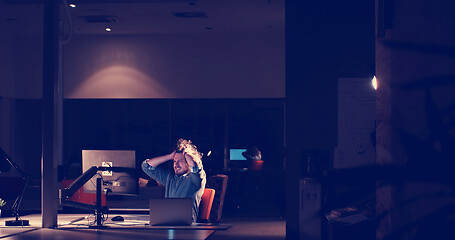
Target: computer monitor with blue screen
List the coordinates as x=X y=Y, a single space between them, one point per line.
x=236 y=154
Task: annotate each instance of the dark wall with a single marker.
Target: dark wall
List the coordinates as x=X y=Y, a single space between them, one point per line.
x=28 y=135
x=152 y=126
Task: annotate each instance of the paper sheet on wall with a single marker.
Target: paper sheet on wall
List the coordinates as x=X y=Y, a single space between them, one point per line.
x=356 y=123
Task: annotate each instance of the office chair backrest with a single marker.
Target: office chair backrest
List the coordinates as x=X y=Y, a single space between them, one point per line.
x=206 y=205
x=219 y=183
x=83 y=197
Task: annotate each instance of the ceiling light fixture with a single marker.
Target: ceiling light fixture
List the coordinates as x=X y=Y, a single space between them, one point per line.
x=108 y=29
x=72 y=5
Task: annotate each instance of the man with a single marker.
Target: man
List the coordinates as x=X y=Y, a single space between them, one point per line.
x=188 y=178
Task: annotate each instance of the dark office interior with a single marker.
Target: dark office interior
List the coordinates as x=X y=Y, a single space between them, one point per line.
x=342 y=157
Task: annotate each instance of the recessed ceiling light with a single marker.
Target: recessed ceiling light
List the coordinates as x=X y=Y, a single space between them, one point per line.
x=108 y=29
x=72 y=5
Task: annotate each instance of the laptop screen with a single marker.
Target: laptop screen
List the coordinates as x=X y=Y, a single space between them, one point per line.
x=171 y=211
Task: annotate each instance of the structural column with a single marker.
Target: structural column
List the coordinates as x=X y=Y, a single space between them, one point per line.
x=325 y=41
x=49 y=188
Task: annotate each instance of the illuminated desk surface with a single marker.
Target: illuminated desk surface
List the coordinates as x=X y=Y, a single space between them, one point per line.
x=134 y=227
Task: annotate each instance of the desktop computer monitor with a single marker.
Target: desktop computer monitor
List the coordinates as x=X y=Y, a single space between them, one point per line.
x=236 y=159
x=236 y=154
x=114 y=182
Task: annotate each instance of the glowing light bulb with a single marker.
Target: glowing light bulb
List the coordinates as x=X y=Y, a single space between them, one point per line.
x=108 y=29
x=208 y=154
x=374 y=82
x=72 y=5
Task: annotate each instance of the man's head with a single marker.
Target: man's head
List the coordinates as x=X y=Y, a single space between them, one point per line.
x=180 y=165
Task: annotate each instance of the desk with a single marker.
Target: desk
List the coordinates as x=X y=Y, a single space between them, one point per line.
x=107 y=234
x=115 y=231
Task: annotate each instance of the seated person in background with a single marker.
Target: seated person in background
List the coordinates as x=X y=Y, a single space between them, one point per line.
x=188 y=178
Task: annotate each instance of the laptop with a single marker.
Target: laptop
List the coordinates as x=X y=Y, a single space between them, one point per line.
x=171 y=211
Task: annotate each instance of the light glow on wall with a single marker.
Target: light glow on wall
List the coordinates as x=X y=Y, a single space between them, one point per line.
x=234 y=71
x=119 y=82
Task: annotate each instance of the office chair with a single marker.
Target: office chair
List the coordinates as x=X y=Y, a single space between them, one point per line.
x=206 y=205
x=81 y=196
x=219 y=183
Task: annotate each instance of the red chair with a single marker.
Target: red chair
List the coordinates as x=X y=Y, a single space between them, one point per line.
x=83 y=197
x=206 y=205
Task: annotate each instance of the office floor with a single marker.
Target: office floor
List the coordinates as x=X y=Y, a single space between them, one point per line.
x=242 y=228
x=269 y=228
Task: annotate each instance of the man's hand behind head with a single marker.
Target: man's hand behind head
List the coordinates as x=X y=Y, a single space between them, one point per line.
x=172 y=155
